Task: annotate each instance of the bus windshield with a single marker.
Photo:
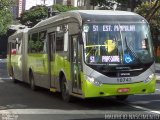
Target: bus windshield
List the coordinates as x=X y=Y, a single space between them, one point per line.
x=123 y=43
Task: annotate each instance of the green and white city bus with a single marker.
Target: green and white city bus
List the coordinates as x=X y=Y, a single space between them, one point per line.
x=87 y=53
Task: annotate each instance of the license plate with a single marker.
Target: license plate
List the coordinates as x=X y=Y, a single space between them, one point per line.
x=123 y=90
x=124 y=80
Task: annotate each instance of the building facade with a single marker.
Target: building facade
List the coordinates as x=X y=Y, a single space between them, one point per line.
x=23 y=5
x=27 y=4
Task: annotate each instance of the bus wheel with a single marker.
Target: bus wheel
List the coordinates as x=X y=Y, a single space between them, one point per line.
x=12 y=76
x=65 y=91
x=14 y=80
x=32 y=83
x=121 y=97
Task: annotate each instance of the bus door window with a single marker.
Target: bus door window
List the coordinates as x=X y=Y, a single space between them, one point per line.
x=51 y=45
x=19 y=51
x=13 y=49
x=51 y=56
x=60 y=42
x=18 y=45
x=43 y=41
x=76 y=64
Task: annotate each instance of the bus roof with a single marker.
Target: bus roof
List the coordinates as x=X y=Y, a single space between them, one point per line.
x=109 y=15
x=104 y=12
x=94 y=15
x=18 y=33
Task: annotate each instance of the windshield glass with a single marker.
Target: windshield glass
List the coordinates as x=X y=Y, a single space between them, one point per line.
x=123 y=43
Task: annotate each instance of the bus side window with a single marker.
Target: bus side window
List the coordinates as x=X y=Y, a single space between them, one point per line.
x=34 y=44
x=13 y=48
x=43 y=41
x=13 y=51
x=19 y=46
x=60 y=42
x=29 y=44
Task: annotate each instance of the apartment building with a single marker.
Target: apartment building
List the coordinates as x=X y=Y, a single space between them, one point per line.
x=82 y=4
x=22 y=5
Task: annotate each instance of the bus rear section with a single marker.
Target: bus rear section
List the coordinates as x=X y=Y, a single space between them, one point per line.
x=16 y=57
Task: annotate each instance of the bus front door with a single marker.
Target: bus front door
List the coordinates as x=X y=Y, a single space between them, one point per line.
x=52 y=40
x=75 y=65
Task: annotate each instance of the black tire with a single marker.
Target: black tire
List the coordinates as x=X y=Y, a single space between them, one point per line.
x=32 y=82
x=12 y=76
x=65 y=91
x=15 y=80
x=121 y=97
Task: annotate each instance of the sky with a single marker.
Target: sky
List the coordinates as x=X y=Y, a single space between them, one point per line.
x=30 y=3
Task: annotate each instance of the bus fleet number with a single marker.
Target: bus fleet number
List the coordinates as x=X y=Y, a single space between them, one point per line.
x=124 y=80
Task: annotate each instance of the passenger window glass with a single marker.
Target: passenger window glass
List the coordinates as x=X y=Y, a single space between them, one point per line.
x=60 y=42
x=19 y=45
x=13 y=48
x=37 y=42
x=43 y=40
x=34 y=44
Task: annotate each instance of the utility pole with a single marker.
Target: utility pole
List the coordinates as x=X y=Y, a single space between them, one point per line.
x=44 y=2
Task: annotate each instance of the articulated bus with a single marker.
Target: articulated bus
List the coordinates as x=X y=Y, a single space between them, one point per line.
x=86 y=54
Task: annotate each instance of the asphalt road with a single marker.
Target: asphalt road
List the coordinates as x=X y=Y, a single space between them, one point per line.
x=19 y=102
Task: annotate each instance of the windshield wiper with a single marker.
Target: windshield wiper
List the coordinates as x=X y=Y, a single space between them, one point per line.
x=132 y=51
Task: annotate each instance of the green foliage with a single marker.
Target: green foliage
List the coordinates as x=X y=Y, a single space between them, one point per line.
x=152 y=13
x=5 y=15
x=103 y=3
x=34 y=15
x=37 y=13
x=157 y=59
x=63 y=8
x=144 y=9
x=122 y=1
x=98 y=2
x=35 y=45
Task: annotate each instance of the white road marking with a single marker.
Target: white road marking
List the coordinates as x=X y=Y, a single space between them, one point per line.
x=146 y=109
x=142 y=108
x=51 y=111
x=3 y=60
x=5 y=78
x=2 y=79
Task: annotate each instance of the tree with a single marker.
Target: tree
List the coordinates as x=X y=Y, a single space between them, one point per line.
x=5 y=15
x=152 y=14
x=106 y=3
x=97 y=3
x=63 y=8
x=33 y=15
x=37 y=13
x=154 y=8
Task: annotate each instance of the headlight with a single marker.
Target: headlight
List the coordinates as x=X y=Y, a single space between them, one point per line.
x=94 y=81
x=149 y=78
